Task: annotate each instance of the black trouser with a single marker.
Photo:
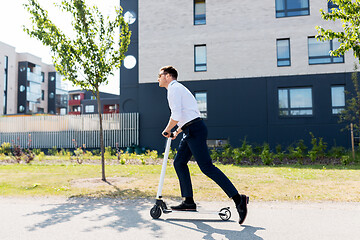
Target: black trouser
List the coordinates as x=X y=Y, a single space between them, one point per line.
x=194 y=143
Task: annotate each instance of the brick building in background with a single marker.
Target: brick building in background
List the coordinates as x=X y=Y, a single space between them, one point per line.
x=84 y=102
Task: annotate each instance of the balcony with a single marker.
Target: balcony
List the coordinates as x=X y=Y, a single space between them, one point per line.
x=111 y=108
x=74 y=113
x=74 y=102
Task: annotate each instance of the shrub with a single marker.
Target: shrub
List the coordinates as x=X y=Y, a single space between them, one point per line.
x=266 y=156
x=53 y=151
x=227 y=151
x=215 y=154
x=151 y=154
x=318 y=147
x=336 y=152
x=16 y=152
x=5 y=148
x=108 y=152
x=279 y=153
x=345 y=160
x=36 y=151
x=79 y=155
x=237 y=155
x=172 y=153
x=41 y=156
x=96 y=152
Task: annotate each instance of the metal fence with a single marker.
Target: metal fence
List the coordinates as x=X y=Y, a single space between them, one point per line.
x=59 y=131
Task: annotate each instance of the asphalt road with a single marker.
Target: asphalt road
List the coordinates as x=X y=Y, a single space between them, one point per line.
x=58 y=218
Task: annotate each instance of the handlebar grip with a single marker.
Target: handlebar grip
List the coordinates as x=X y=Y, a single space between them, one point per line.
x=171 y=134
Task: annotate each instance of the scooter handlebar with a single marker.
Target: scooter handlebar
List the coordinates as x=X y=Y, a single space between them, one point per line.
x=171 y=134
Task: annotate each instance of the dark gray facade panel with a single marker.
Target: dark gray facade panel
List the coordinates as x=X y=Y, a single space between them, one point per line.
x=239 y=108
x=129 y=83
x=22 y=86
x=51 y=93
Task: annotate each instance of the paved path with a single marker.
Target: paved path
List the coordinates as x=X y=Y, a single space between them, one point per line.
x=57 y=218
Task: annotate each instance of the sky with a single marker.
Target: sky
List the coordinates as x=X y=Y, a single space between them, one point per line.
x=13 y=16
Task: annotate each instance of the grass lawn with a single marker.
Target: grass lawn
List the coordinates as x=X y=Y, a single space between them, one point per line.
x=284 y=183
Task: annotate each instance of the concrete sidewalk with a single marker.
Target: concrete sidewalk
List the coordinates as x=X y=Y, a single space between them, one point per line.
x=58 y=218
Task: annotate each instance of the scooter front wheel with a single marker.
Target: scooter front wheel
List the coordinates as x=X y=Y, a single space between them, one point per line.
x=155 y=212
x=225 y=214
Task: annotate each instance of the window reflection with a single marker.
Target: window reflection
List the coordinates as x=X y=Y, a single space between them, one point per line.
x=319 y=52
x=295 y=101
x=337 y=99
x=201 y=99
x=200 y=58
x=199 y=12
x=289 y=8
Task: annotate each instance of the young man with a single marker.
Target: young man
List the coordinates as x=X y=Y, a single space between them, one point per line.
x=186 y=116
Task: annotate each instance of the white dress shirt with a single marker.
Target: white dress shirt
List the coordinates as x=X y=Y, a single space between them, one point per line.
x=182 y=103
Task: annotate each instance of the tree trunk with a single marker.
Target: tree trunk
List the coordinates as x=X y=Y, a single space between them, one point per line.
x=101 y=136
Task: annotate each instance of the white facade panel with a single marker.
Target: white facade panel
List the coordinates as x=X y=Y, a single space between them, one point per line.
x=240 y=37
x=9 y=51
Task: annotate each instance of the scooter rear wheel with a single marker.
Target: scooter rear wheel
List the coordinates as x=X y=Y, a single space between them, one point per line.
x=155 y=212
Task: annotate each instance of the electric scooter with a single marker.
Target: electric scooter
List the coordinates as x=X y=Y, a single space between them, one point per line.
x=161 y=207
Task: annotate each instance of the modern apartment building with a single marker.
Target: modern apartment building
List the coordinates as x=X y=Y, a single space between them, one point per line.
x=254 y=66
x=28 y=86
x=84 y=102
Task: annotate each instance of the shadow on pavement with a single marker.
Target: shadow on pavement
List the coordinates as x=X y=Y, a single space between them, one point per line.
x=118 y=214
x=210 y=233
x=91 y=215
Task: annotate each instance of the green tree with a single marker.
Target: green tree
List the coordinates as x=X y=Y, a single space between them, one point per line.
x=349 y=16
x=91 y=55
x=351 y=113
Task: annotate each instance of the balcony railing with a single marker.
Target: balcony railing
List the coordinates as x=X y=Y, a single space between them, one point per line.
x=74 y=102
x=74 y=113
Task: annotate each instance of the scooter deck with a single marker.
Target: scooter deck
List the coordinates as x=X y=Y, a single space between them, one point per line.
x=223 y=213
x=192 y=211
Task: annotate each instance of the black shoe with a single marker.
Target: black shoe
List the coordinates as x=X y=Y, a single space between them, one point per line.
x=242 y=208
x=184 y=207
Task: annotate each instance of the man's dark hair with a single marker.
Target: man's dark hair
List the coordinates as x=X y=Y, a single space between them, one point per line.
x=170 y=70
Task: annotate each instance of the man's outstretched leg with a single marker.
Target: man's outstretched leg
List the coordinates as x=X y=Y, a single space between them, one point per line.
x=182 y=170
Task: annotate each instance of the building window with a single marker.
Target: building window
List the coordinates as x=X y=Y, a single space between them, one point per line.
x=42 y=95
x=290 y=8
x=42 y=77
x=332 y=6
x=199 y=12
x=337 y=99
x=62 y=111
x=200 y=58
x=76 y=97
x=319 y=52
x=295 y=101
x=76 y=109
x=216 y=143
x=283 y=52
x=89 y=108
x=201 y=99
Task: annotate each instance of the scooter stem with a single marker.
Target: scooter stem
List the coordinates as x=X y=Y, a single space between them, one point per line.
x=163 y=169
